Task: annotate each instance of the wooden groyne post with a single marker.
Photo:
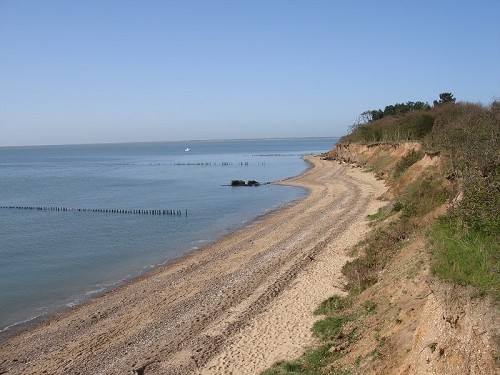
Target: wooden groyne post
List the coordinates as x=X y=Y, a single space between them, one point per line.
x=100 y=210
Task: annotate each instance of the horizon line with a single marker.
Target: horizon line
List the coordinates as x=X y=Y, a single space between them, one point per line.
x=181 y=140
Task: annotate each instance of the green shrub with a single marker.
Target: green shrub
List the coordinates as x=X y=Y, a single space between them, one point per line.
x=285 y=368
x=480 y=206
x=469 y=135
x=379 y=215
x=398 y=206
x=328 y=328
x=311 y=363
x=317 y=357
x=333 y=304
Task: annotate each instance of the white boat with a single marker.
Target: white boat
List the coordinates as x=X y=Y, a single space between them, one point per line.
x=187 y=149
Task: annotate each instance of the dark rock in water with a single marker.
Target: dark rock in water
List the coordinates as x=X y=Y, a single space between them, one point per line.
x=242 y=183
x=238 y=183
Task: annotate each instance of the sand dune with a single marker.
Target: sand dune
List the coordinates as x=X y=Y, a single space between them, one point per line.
x=234 y=307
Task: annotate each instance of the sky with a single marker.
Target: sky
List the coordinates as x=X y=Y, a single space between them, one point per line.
x=88 y=71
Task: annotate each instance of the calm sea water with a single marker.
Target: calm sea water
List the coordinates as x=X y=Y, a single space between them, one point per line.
x=52 y=259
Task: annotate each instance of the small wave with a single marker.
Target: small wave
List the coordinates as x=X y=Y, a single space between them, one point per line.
x=100 y=288
x=95 y=291
x=10 y=326
x=72 y=303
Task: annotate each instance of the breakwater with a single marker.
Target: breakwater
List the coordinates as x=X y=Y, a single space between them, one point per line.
x=101 y=210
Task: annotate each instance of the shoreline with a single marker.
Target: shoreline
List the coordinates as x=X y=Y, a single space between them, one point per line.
x=183 y=316
x=44 y=318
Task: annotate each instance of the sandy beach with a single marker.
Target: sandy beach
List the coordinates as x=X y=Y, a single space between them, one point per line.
x=233 y=307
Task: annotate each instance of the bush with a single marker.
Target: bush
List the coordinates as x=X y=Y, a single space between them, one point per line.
x=423 y=196
x=479 y=209
x=328 y=328
x=469 y=134
x=284 y=368
x=409 y=126
x=333 y=304
x=398 y=206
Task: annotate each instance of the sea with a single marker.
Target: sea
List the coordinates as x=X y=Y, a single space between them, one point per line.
x=79 y=220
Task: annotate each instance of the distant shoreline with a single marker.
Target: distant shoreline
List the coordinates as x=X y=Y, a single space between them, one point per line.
x=160 y=142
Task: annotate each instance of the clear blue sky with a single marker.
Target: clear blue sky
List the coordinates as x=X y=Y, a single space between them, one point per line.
x=122 y=71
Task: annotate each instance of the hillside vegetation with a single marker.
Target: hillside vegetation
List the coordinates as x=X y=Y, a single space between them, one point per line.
x=467 y=137
x=423 y=288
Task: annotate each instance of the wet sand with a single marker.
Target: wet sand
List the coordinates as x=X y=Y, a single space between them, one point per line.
x=234 y=307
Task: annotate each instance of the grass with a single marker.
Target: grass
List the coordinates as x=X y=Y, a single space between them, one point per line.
x=370 y=307
x=320 y=360
x=311 y=363
x=286 y=368
x=328 y=328
x=466 y=257
x=318 y=357
x=379 y=215
x=333 y=304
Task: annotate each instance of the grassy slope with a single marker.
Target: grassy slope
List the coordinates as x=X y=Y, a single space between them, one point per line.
x=399 y=280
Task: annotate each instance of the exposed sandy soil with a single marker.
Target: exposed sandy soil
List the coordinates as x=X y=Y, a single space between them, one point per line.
x=234 y=307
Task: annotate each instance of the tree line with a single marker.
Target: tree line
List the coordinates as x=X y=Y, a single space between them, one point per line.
x=398 y=122
x=401 y=108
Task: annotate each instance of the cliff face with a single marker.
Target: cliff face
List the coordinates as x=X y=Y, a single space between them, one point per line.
x=361 y=154
x=422 y=325
x=380 y=157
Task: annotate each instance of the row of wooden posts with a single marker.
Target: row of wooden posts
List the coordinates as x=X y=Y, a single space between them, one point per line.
x=224 y=164
x=103 y=210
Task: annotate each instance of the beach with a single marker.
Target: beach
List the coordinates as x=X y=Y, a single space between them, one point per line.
x=233 y=307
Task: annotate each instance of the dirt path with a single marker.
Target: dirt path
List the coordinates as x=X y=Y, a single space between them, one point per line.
x=235 y=307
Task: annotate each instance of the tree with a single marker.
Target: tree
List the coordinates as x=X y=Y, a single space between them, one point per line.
x=377 y=114
x=366 y=117
x=445 y=97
